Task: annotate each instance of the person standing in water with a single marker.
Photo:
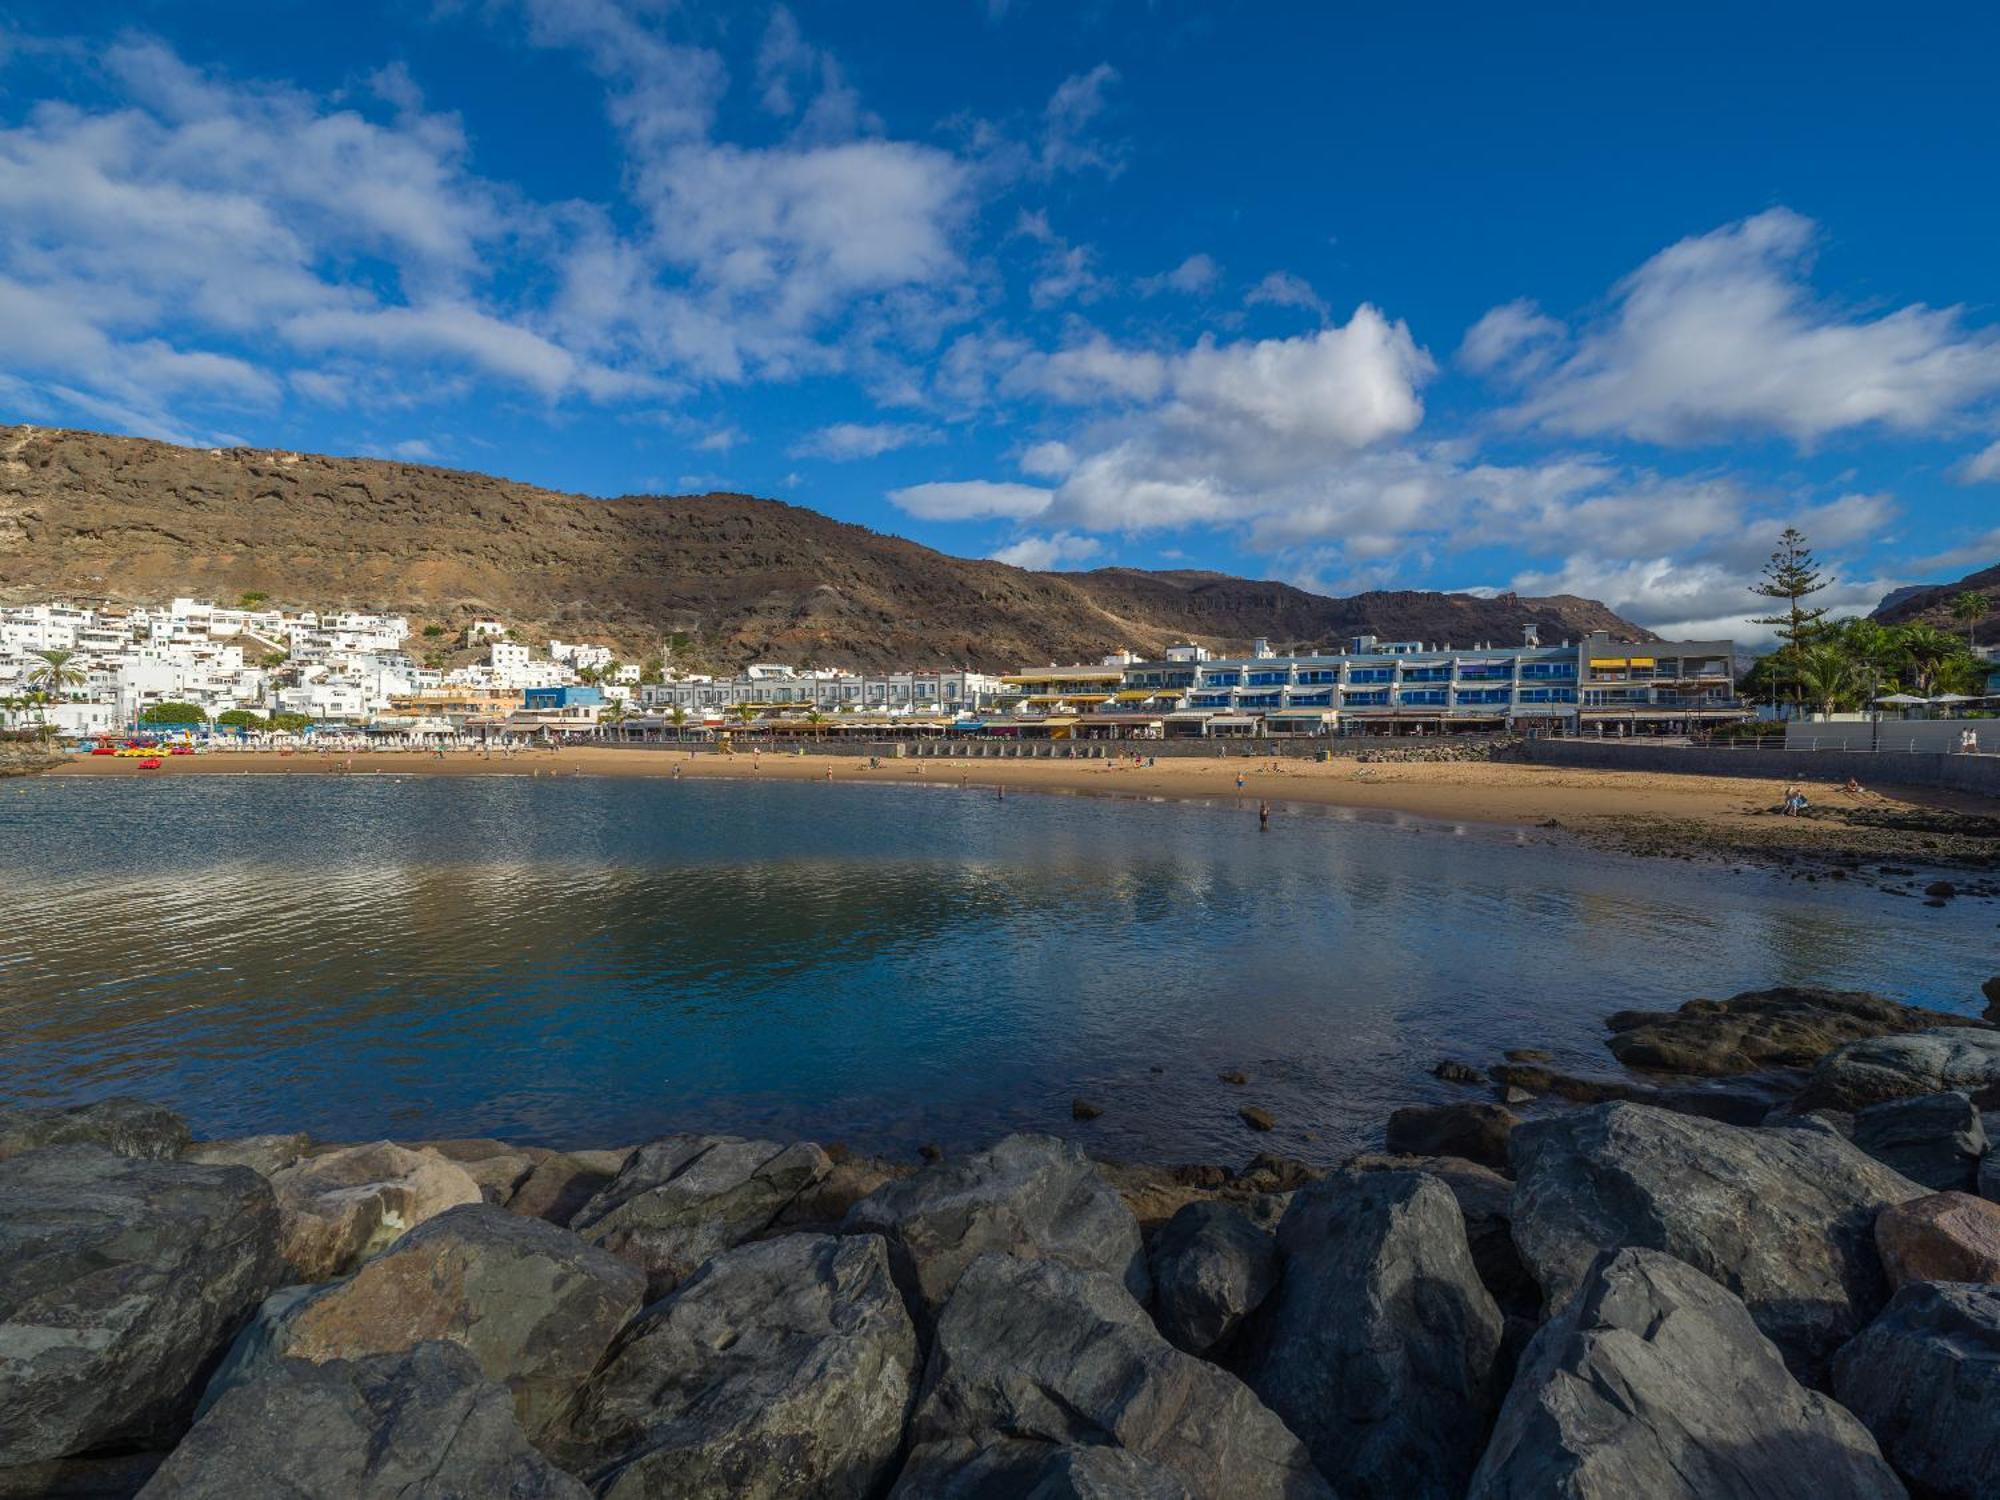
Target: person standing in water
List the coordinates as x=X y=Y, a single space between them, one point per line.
x=1263 y=816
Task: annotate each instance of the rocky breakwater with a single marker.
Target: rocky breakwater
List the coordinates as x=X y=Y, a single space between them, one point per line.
x=1621 y=1298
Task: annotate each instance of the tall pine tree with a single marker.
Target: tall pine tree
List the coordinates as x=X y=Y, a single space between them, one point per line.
x=1792 y=575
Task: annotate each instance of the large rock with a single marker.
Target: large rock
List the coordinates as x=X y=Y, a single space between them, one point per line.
x=340 y=1208
x=1935 y=1139
x=1039 y=1351
x=1781 y=1218
x=781 y=1368
x=265 y=1155
x=1653 y=1381
x=497 y=1167
x=563 y=1181
x=128 y=1127
x=1378 y=1347
x=1212 y=1267
x=685 y=1198
x=1015 y=1469
x=1925 y=1377
x=534 y=1305
x=1486 y=1201
x=1785 y=1027
x=1944 y=1237
x=1476 y=1132
x=418 y=1425
x=1741 y=1100
x=1031 y=1196
x=1965 y=1058
x=121 y=1280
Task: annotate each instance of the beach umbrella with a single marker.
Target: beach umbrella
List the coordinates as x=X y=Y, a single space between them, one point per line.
x=1951 y=698
x=1902 y=700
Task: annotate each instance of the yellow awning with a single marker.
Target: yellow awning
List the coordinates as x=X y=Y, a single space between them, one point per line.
x=1058 y=722
x=1090 y=697
x=1137 y=695
x=1642 y=661
x=1611 y=661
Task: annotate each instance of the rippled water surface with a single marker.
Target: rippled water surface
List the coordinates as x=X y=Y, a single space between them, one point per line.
x=593 y=961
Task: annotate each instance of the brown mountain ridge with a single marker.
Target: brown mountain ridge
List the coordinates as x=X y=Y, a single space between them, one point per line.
x=89 y=516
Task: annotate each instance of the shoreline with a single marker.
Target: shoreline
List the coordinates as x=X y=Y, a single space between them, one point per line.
x=1652 y=814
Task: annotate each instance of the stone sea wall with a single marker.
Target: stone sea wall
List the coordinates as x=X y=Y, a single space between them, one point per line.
x=1760 y=1259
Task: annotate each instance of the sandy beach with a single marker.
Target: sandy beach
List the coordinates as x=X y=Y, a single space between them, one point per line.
x=1641 y=812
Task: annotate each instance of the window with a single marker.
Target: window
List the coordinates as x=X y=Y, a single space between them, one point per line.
x=1426 y=674
x=1371 y=674
x=1422 y=695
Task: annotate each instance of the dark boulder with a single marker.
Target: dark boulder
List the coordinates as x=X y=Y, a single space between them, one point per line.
x=419 y=1425
x=1477 y=1132
x=685 y=1198
x=128 y=1127
x=1781 y=1218
x=1935 y=1139
x=1742 y=1100
x=563 y=1181
x=1211 y=1267
x=122 y=1280
x=1031 y=1196
x=1942 y=1237
x=1378 y=1346
x=1899 y=1067
x=1039 y=1351
x=1786 y=1027
x=782 y=1368
x=1925 y=1377
x=1485 y=1199
x=534 y=1305
x=1016 y=1469
x=1653 y=1381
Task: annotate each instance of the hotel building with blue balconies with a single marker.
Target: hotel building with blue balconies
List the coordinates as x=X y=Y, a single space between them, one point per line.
x=1391 y=687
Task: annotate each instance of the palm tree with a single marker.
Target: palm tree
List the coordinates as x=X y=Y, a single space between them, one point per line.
x=1925 y=649
x=1971 y=606
x=57 y=671
x=745 y=713
x=1826 y=675
x=817 y=719
x=679 y=716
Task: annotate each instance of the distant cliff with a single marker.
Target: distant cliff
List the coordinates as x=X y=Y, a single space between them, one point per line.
x=1932 y=603
x=86 y=515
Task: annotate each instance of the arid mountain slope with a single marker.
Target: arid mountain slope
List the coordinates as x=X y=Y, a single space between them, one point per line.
x=1933 y=604
x=84 y=515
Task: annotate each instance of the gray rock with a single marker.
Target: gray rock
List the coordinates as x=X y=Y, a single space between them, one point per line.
x=1781 y=1218
x=1989 y=1177
x=1654 y=1381
x=1013 y=1469
x=1037 y=1350
x=262 y=1154
x=1486 y=1200
x=685 y=1198
x=781 y=1368
x=534 y=1305
x=1934 y=1139
x=1925 y=1377
x=1475 y=1132
x=1900 y=1067
x=1030 y=1195
x=418 y=1425
x=1211 y=1268
x=112 y=1477
x=1378 y=1347
x=121 y=1280
x=561 y=1183
x=128 y=1127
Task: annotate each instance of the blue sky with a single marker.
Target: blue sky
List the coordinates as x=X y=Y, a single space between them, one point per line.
x=1554 y=298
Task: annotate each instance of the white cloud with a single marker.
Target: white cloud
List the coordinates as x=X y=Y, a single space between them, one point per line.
x=1514 y=336
x=416 y=450
x=1983 y=551
x=1050 y=460
x=1721 y=332
x=972 y=500
x=1042 y=553
x=1078 y=101
x=851 y=440
x=1283 y=289
x=1191 y=277
x=1980 y=467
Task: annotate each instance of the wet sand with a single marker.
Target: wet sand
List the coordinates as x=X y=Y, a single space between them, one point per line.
x=1642 y=812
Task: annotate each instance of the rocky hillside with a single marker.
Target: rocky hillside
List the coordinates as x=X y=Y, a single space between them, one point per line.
x=1932 y=603
x=89 y=516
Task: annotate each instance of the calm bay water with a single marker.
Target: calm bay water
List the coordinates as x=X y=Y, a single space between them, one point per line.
x=594 y=961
